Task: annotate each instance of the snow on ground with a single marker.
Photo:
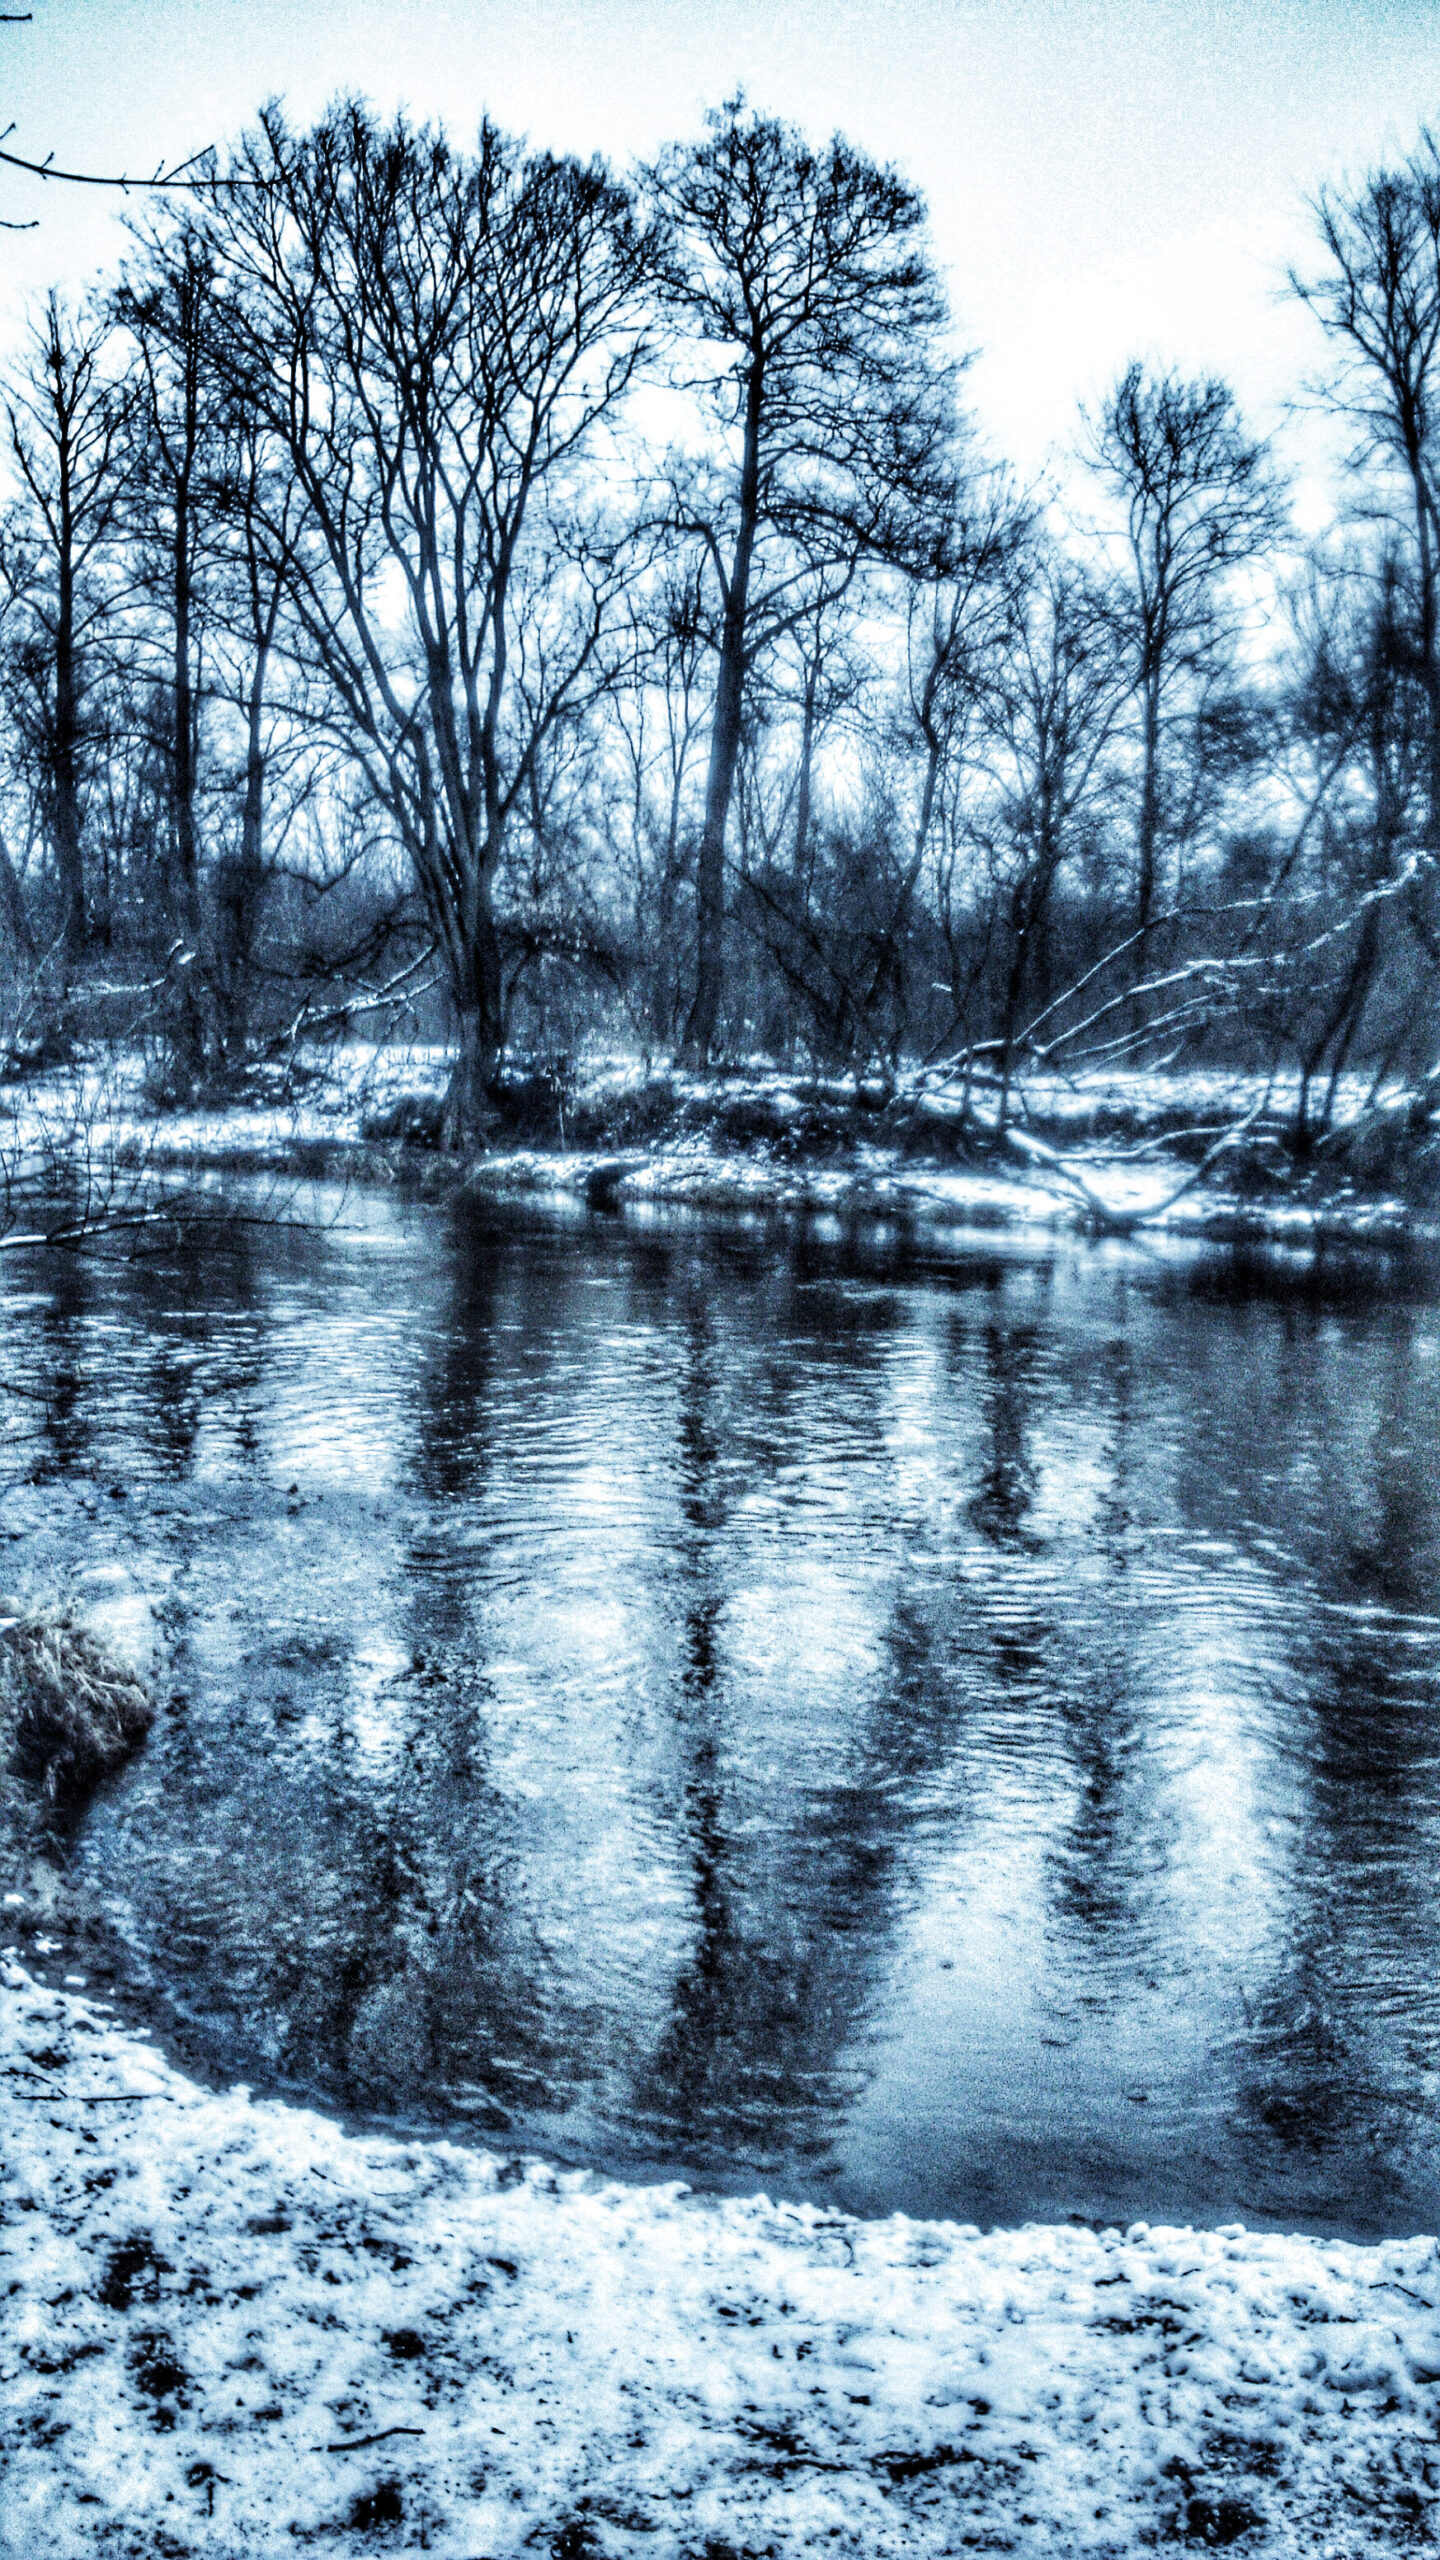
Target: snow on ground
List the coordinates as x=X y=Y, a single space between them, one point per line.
x=229 y=2327
x=97 y=1114
x=696 y=1175
x=99 y=1107
x=872 y=1183
x=326 y=1092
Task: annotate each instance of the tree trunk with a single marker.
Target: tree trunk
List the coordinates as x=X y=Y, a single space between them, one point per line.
x=724 y=750
x=189 y=1027
x=1422 y=894
x=1148 y=832
x=477 y=993
x=182 y=744
x=244 y=882
x=65 y=780
x=710 y=869
x=927 y=800
x=1014 y=989
x=664 y=1004
x=470 y=1113
x=800 y=872
x=1429 y=644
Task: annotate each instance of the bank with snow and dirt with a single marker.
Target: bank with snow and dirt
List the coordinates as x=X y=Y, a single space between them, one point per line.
x=231 y=2327
x=1202 y=1156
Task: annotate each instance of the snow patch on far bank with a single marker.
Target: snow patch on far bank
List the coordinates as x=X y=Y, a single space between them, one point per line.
x=753 y=1140
x=873 y=1184
x=232 y=2328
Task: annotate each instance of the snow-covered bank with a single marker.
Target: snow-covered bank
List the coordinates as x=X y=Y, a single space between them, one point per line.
x=230 y=2327
x=1105 y=1152
x=1091 y=1191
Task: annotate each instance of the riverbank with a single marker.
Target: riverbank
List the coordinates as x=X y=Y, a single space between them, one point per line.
x=1207 y=1156
x=231 y=2327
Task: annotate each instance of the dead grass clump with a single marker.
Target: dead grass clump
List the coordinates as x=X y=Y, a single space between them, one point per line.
x=636 y=1116
x=68 y=1711
x=416 y=1119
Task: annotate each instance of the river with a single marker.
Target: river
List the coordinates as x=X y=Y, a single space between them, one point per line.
x=955 y=1732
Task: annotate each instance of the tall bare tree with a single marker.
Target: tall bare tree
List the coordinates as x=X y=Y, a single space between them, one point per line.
x=66 y=418
x=258 y=515
x=1197 y=504
x=438 y=339
x=215 y=517
x=810 y=321
x=1377 y=298
x=167 y=308
x=962 y=614
x=1052 y=720
x=658 y=713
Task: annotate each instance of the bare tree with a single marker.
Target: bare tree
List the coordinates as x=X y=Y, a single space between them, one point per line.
x=1378 y=301
x=437 y=341
x=66 y=419
x=258 y=516
x=962 y=616
x=802 y=279
x=803 y=966
x=167 y=307
x=216 y=519
x=1358 y=720
x=1198 y=504
x=659 y=710
x=1053 y=716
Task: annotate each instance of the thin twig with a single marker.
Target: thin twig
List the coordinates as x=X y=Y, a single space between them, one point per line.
x=86 y=2098
x=84 y=178
x=353 y=2444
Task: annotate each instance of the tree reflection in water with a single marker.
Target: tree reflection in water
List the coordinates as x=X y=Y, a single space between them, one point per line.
x=953 y=1737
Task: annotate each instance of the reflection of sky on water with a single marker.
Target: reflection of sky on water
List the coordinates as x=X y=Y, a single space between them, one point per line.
x=959 y=1739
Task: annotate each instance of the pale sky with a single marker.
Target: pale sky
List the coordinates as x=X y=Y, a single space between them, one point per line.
x=1106 y=178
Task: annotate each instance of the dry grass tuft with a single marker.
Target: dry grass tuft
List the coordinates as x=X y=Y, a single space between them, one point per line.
x=69 y=1713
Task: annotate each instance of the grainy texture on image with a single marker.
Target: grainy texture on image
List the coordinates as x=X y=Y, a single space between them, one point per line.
x=719 y=1279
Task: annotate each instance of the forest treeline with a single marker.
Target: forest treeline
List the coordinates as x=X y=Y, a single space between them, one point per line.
x=474 y=586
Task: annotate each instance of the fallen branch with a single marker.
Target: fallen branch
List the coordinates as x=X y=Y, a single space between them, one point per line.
x=1110 y=1219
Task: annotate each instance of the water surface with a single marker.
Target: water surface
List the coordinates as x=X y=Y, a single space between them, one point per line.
x=959 y=1736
